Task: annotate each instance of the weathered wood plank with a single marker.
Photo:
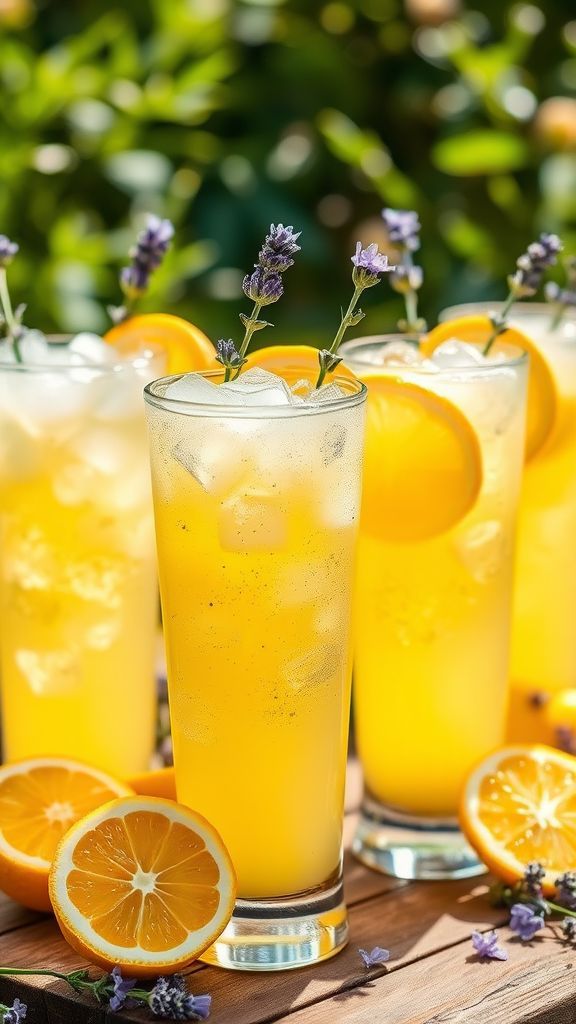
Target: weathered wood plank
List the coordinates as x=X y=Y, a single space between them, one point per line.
x=537 y=985
x=413 y=922
x=12 y=915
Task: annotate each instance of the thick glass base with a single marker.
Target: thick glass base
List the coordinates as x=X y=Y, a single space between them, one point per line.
x=281 y=935
x=415 y=848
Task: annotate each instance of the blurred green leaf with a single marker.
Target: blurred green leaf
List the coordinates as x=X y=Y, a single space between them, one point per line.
x=480 y=152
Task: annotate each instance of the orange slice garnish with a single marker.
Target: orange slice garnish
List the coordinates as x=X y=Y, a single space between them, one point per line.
x=186 y=347
x=519 y=805
x=542 y=391
x=161 y=782
x=40 y=798
x=422 y=462
x=301 y=360
x=144 y=883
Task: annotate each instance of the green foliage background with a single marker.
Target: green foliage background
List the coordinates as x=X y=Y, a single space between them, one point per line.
x=227 y=115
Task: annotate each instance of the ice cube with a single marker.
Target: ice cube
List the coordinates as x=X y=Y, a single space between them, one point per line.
x=92 y=349
x=98 y=579
x=19 y=451
x=101 y=635
x=454 y=353
x=105 y=450
x=338 y=506
x=399 y=353
x=213 y=460
x=325 y=393
x=301 y=388
x=481 y=549
x=252 y=521
x=118 y=395
x=314 y=667
x=34 y=348
x=256 y=387
x=49 y=673
x=74 y=484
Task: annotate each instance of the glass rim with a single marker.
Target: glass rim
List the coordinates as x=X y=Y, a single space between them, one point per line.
x=517 y=308
x=357 y=396
x=478 y=369
x=88 y=371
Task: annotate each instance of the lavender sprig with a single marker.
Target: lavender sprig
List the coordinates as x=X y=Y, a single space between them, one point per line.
x=264 y=286
x=375 y=957
x=145 y=257
x=169 y=998
x=12 y=320
x=527 y=278
x=562 y=298
x=368 y=264
x=525 y=921
x=403 y=227
x=14 y=1014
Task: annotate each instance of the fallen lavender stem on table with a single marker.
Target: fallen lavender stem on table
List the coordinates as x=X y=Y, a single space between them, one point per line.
x=168 y=998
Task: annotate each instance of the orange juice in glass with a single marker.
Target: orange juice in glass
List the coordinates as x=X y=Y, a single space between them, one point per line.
x=256 y=492
x=443 y=460
x=78 y=589
x=543 y=634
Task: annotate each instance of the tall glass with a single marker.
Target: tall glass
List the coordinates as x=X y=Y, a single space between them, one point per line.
x=544 y=624
x=256 y=519
x=432 y=630
x=78 y=586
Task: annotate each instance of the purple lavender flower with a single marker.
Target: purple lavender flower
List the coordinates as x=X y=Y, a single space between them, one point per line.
x=368 y=265
x=170 y=998
x=16 y=1013
x=524 y=921
x=278 y=248
x=122 y=987
x=146 y=256
x=263 y=286
x=534 y=874
x=407 y=279
x=227 y=354
x=569 y=929
x=403 y=227
x=8 y=250
x=487 y=946
x=566 y=890
x=532 y=264
x=375 y=958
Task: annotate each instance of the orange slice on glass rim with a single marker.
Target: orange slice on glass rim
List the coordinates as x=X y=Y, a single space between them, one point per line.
x=422 y=462
x=39 y=799
x=519 y=805
x=301 y=360
x=542 y=392
x=143 y=883
x=186 y=347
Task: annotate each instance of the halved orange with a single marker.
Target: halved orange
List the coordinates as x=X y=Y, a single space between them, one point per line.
x=161 y=782
x=542 y=392
x=294 y=359
x=144 y=883
x=39 y=799
x=422 y=462
x=519 y=805
x=186 y=346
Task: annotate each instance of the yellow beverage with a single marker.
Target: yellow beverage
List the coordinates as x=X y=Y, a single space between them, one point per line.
x=78 y=599
x=256 y=515
x=543 y=633
x=433 y=613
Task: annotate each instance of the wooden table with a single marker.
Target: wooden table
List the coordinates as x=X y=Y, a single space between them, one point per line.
x=432 y=976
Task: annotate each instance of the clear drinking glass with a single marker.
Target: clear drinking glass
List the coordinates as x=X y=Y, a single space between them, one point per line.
x=543 y=630
x=78 y=585
x=432 y=625
x=256 y=520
